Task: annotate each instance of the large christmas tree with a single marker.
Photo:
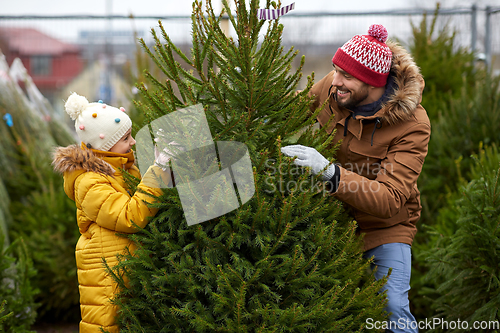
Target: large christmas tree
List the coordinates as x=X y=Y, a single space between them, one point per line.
x=285 y=260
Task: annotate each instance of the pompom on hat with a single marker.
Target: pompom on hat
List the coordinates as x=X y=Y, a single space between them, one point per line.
x=97 y=124
x=366 y=57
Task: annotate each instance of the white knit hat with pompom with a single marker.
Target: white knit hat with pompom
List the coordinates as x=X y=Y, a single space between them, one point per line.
x=97 y=124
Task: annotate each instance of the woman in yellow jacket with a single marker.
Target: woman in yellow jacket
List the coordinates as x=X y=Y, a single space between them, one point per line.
x=93 y=178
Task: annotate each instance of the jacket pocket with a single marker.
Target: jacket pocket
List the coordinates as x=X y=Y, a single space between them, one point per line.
x=365 y=159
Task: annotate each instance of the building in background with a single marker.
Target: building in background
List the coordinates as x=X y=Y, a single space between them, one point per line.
x=50 y=62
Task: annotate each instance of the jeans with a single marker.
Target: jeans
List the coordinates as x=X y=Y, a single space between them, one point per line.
x=398 y=257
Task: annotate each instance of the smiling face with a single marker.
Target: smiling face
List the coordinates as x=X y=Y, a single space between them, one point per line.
x=351 y=91
x=124 y=145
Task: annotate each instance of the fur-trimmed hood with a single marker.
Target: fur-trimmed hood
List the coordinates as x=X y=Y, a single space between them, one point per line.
x=74 y=158
x=409 y=86
x=399 y=105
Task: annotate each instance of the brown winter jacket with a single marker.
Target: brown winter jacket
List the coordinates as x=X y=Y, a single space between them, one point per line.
x=381 y=156
x=105 y=207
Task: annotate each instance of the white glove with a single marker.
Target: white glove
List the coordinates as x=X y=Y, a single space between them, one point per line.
x=310 y=157
x=163 y=157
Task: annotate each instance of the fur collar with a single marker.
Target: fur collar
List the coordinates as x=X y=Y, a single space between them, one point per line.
x=74 y=158
x=409 y=82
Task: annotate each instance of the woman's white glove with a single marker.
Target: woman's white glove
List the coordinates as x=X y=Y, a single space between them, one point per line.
x=310 y=157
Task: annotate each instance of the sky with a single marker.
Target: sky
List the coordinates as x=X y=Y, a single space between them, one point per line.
x=183 y=7
x=164 y=7
x=159 y=8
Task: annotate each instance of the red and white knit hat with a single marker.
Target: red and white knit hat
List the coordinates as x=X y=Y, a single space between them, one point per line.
x=366 y=57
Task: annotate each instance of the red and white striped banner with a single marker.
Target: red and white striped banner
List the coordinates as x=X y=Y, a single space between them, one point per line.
x=273 y=14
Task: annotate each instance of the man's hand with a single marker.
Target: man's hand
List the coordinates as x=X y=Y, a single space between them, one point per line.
x=310 y=157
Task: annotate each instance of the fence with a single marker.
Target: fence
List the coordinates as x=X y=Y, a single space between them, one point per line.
x=107 y=43
x=473 y=26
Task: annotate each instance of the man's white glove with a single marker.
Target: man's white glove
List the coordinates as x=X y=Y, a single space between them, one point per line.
x=310 y=157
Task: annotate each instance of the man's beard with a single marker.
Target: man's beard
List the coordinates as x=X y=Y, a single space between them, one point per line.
x=355 y=97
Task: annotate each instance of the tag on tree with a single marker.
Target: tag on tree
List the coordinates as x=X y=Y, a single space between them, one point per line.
x=273 y=14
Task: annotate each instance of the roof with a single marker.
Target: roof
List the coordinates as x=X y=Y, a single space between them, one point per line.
x=29 y=41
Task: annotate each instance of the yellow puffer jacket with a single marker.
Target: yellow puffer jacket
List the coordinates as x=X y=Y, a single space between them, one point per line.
x=105 y=207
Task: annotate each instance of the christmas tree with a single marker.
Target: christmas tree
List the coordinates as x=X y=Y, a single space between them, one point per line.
x=17 y=308
x=463 y=260
x=288 y=258
x=34 y=211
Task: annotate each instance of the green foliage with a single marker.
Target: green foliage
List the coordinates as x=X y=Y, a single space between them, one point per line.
x=444 y=65
x=463 y=103
x=26 y=147
x=438 y=235
x=465 y=258
x=460 y=127
x=459 y=99
x=16 y=292
x=446 y=225
x=46 y=220
x=5 y=217
x=34 y=205
x=458 y=133
x=468 y=121
x=288 y=259
x=215 y=279
x=136 y=72
x=3 y=316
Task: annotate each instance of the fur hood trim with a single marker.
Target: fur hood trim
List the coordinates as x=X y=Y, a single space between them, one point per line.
x=409 y=86
x=73 y=158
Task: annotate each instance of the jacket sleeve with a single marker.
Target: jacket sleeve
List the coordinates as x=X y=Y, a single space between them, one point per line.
x=115 y=209
x=384 y=196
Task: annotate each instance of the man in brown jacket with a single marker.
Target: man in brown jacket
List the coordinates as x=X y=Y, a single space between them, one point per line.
x=374 y=95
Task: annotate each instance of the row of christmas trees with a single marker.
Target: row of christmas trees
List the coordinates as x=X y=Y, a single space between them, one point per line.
x=37 y=231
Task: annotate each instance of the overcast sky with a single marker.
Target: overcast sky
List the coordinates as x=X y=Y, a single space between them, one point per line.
x=183 y=7
x=179 y=31
x=166 y=7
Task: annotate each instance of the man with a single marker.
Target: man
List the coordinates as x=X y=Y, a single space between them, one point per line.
x=374 y=95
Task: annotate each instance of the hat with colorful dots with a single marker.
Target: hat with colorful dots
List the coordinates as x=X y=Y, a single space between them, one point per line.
x=366 y=57
x=97 y=124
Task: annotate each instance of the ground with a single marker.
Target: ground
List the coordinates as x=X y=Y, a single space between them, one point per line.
x=56 y=328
